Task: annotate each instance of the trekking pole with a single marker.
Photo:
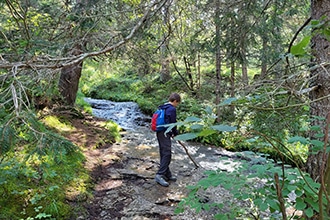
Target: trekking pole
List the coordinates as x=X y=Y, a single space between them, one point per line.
x=185 y=148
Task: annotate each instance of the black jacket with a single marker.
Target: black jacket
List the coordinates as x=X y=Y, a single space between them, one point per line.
x=170 y=116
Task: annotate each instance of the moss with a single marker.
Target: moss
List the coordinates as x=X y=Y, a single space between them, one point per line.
x=58 y=123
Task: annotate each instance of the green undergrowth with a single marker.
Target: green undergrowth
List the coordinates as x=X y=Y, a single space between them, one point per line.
x=41 y=172
x=254 y=194
x=36 y=186
x=37 y=175
x=149 y=93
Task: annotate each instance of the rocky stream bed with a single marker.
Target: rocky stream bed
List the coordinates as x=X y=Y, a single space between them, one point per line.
x=124 y=172
x=127 y=190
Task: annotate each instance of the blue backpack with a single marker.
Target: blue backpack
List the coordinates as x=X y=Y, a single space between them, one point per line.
x=158 y=118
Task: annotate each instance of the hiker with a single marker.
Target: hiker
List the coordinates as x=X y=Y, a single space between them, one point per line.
x=164 y=140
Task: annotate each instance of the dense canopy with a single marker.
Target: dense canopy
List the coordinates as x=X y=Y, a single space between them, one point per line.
x=253 y=75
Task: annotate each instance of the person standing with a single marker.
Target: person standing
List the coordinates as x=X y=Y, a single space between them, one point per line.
x=164 y=140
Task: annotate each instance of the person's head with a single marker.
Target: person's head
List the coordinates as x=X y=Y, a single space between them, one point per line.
x=174 y=99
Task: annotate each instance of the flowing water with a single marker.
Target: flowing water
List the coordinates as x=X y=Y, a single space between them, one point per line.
x=130 y=192
x=126 y=114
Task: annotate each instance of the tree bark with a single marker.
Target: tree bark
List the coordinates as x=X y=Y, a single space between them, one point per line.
x=217 y=62
x=232 y=85
x=320 y=76
x=199 y=72
x=189 y=74
x=245 y=77
x=69 y=79
x=317 y=162
x=218 y=84
x=263 y=71
x=232 y=79
x=165 y=61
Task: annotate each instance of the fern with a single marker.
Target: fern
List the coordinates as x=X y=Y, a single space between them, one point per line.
x=6 y=139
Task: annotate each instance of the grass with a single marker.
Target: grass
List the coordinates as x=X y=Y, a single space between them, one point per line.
x=58 y=123
x=35 y=185
x=47 y=170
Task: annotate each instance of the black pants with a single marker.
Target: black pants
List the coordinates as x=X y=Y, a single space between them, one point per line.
x=165 y=154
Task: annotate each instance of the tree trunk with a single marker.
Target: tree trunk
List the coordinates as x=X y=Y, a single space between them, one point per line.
x=232 y=85
x=217 y=62
x=165 y=71
x=189 y=74
x=69 y=79
x=245 y=77
x=263 y=71
x=232 y=79
x=320 y=76
x=218 y=84
x=165 y=61
x=317 y=162
x=199 y=72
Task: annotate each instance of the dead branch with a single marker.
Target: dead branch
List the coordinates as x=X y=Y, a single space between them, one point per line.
x=60 y=62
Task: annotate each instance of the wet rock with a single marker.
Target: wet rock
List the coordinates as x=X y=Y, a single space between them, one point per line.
x=127 y=189
x=129 y=186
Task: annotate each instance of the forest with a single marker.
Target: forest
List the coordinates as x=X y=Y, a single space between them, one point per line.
x=253 y=76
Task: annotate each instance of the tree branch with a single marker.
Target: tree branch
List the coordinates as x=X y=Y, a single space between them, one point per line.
x=56 y=63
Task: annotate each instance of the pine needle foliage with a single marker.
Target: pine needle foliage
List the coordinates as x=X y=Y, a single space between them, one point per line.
x=37 y=165
x=6 y=140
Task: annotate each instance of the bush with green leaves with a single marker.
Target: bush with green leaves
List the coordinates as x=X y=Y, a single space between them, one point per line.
x=255 y=185
x=202 y=129
x=267 y=188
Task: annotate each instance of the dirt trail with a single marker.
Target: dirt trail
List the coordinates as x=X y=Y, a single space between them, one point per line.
x=124 y=175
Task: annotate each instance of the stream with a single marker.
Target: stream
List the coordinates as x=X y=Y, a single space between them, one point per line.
x=129 y=117
x=128 y=190
x=126 y=114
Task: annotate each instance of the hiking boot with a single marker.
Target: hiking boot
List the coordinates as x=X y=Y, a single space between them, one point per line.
x=171 y=178
x=159 y=179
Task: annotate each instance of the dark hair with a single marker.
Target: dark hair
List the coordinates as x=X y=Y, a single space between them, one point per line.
x=174 y=96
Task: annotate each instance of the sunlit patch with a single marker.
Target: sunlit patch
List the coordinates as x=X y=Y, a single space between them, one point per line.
x=154 y=154
x=143 y=147
x=58 y=124
x=229 y=166
x=108 y=184
x=291 y=211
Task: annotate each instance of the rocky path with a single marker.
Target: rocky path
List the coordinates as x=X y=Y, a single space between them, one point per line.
x=124 y=174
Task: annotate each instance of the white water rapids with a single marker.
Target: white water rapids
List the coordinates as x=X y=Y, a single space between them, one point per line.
x=126 y=114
